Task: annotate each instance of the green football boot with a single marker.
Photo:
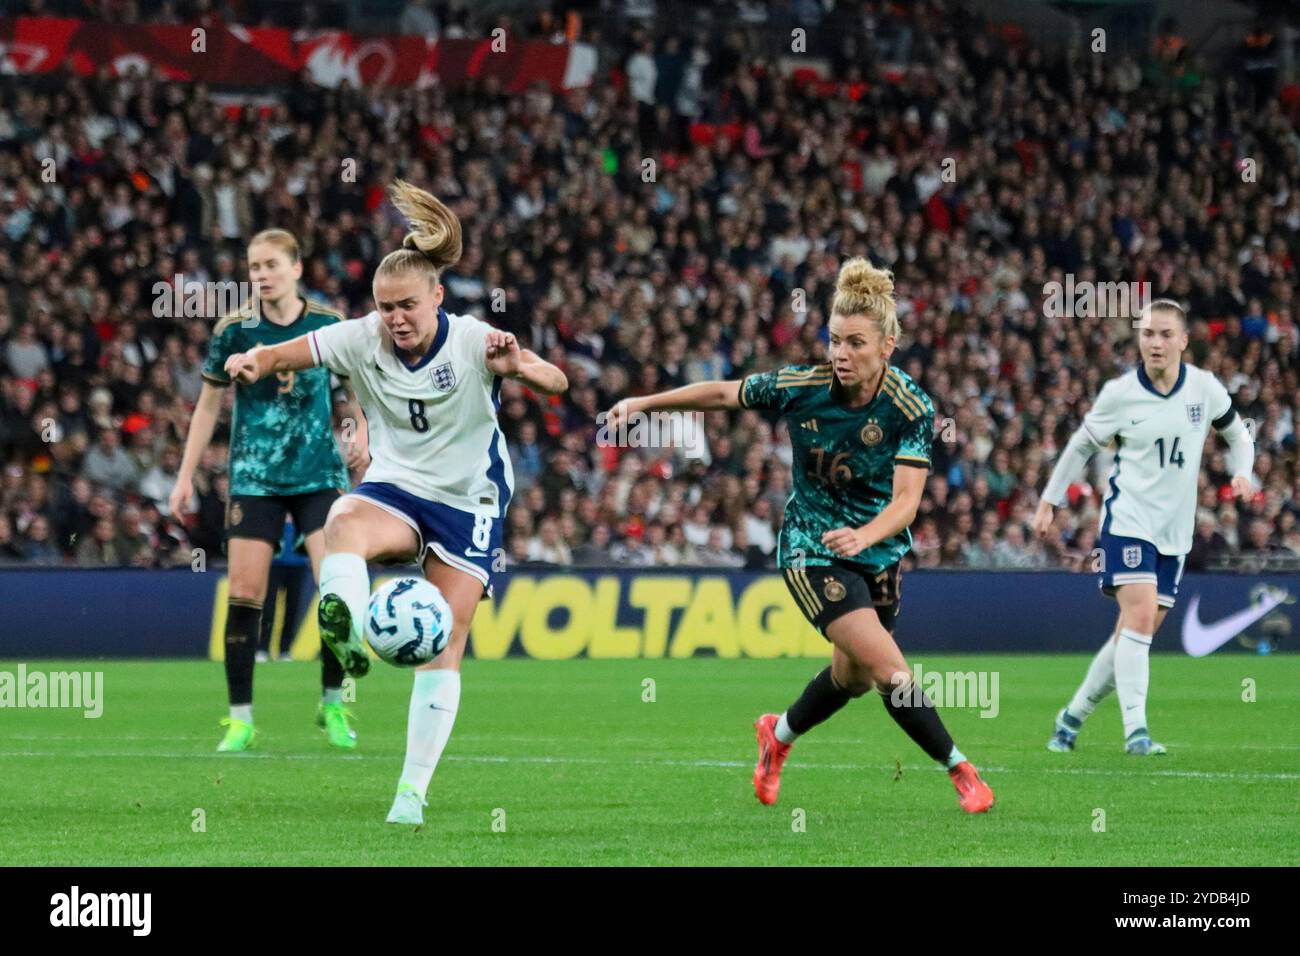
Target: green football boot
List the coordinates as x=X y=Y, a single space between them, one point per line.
x=239 y=736
x=333 y=719
x=336 y=632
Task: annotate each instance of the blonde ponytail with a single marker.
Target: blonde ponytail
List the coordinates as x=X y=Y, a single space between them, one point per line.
x=434 y=241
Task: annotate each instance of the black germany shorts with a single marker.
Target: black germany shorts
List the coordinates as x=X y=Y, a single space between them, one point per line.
x=825 y=593
x=261 y=517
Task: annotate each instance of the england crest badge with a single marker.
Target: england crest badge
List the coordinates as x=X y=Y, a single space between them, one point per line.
x=1196 y=413
x=444 y=377
x=1132 y=555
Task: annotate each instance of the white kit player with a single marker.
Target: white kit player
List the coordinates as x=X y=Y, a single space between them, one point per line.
x=1159 y=416
x=440 y=478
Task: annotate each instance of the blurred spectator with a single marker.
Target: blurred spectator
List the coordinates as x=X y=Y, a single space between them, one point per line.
x=40 y=546
x=526 y=455
x=135 y=542
x=25 y=355
x=417 y=18
x=630 y=552
x=683 y=551
x=642 y=75
x=982 y=552
x=754 y=557
x=758 y=527
x=71 y=512
x=11 y=552
x=101 y=549
x=547 y=547
x=158 y=482
x=716 y=554
x=1206 y=543
x=100 y=406
x=662 y=552
x=1259 y=539
x=594 y=552
x=1014 y=551
x=107 y=463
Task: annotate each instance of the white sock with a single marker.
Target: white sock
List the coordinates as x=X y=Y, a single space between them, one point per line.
x=332 y=695
x=1099 y=682
x=242 y=712
x=1132 y=672
x=347 y=576
x=783 y=731
x=435 y=697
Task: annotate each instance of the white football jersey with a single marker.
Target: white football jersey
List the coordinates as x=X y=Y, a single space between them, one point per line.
x=433 y=428
x=1151 y=492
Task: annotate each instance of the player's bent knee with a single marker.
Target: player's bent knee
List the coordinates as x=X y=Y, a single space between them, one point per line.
x=848 y=677
x=344 y=531
x=857 y=686
x=892 y=676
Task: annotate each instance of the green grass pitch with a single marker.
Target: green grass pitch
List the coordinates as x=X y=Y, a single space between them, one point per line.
x=565 y=763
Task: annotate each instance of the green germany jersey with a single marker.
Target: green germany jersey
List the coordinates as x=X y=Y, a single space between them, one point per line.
x=844 y=458
x=282 y=436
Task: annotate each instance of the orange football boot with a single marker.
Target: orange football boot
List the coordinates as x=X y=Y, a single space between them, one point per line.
x=973 y=794
x=771 y=757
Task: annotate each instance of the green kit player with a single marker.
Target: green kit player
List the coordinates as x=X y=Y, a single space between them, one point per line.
x=861 y=432
x=283 y=460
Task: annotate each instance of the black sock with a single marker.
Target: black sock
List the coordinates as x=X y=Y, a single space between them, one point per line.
x=243 y=626
x=818 y=702
x=331 y=671
x=913 y=710
x=266 y=627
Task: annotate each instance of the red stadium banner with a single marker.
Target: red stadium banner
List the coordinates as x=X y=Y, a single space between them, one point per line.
x=238 y=56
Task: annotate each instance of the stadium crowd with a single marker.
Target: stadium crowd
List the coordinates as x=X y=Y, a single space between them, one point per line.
x=682 y=219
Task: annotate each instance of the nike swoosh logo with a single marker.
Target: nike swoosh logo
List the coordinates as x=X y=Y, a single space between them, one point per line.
x=475 y=554
x=445 y=709
x=1201 y=639
x=1137 y=421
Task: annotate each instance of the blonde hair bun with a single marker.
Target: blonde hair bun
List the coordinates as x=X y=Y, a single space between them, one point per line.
x=860 y=279
x=862 y=289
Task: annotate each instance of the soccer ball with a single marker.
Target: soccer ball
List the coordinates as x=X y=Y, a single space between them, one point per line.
x=409 y=622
